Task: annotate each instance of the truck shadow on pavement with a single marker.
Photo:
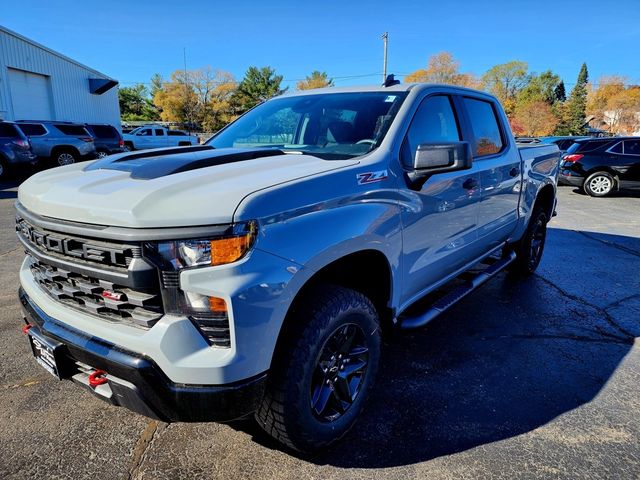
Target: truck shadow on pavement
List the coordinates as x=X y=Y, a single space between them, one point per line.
x=508 y=359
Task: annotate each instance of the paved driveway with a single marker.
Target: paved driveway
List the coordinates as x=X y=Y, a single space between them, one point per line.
x=534 y=379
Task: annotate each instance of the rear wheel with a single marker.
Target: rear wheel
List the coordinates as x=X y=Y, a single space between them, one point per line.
x=319 y=382
x=4 y=170
x=102 y=154
x=530 y=249
x=128 y=146
x=599 y=184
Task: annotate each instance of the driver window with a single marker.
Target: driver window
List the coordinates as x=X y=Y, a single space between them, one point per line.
x=145 y=133
x=434 y=122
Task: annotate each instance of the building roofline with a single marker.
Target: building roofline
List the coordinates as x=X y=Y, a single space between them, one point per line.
x=53 y=52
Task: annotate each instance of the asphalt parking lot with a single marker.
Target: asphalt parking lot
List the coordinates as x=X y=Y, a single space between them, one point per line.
x=531 y=379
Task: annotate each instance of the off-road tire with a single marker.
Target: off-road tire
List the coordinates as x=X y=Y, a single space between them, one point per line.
x=527 y=255
x=286 y=412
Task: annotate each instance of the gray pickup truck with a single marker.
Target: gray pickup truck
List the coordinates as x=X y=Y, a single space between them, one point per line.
x=257 y=274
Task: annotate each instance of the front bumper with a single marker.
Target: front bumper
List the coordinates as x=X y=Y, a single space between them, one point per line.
x=136 y=382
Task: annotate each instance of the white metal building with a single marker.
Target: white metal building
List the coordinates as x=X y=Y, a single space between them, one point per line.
x=37 y=83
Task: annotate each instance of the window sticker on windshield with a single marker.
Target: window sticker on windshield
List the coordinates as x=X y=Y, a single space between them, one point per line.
x=390 y=98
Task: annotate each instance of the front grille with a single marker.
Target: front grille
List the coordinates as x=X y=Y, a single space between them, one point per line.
x=98 y=297
x=80 y=250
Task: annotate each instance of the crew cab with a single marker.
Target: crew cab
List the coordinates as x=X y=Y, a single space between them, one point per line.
x=256 y=274
x=154 y=136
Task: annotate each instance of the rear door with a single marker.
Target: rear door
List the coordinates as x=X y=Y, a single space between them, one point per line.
x=439 y=230
x=498 y=162
x=630 y=172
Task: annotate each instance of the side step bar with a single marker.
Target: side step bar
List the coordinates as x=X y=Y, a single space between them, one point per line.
x=443 y=303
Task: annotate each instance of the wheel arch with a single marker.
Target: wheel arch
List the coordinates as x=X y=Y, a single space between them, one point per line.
x=546 y=200
x=366 y=271
x=64 y=148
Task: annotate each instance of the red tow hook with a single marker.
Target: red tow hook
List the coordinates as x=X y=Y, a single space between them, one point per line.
x=97 y=378
x=26 y=328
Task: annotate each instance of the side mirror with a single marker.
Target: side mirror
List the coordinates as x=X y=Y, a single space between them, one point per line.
x=433 y=158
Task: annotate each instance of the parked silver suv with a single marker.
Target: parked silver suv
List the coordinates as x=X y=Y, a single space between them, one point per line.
x=63 y=143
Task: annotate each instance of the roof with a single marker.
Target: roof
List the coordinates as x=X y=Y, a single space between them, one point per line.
x=402 y=87
x=52 y=52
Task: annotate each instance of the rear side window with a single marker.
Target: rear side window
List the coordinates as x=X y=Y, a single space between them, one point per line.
x=159 y=132
x=32 y=129
x=434 y=122
x=632 y=147
x=9 y=131
x=590 y=146
x=617 y=148
x=73 y=130
x=104 y=131
x=485 y=127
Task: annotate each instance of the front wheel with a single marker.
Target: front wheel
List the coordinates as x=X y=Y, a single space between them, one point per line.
x=320 y=379
x=530 y=248
x=599 y=184
x=65 y=157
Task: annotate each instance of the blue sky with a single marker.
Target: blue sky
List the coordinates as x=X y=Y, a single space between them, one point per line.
x=131 y=40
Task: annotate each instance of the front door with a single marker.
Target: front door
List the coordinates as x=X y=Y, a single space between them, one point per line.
x=440 y=217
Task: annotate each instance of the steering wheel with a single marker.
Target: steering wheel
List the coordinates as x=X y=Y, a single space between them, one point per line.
x=364 y=141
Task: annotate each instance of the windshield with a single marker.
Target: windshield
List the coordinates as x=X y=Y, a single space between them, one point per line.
x=330 y=126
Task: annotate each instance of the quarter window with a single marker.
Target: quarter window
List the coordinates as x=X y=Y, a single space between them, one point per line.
x=617 y=148
x=632 y=147
x=434 y=122
x=485 y=127
x=8 y=130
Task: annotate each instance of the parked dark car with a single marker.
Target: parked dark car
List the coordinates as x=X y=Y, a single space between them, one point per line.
x=563 y=142
x=602 y=165
x=15 y=149
x=107 y=139
x=63 y=143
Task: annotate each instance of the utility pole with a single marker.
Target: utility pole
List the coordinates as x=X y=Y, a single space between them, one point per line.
x=187 y=109
x=385 y=39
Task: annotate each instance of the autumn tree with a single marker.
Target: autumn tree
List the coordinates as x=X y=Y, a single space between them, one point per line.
x=200 y=97
x=177 y=99
x=614 y=105
x=505 y=81
x=315 y=80
x=135 y=104
x=535 y=118
x=442 y=68
x=258 y=85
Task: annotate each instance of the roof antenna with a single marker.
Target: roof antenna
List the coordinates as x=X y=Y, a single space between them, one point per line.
x=390 y=80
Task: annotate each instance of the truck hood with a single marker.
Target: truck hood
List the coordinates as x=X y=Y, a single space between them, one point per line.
x=165 y=187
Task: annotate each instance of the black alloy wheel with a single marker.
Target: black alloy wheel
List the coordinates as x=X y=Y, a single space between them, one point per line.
x=340 y=372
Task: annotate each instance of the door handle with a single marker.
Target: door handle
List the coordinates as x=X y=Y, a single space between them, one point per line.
x=470 y=183
x=514 y=172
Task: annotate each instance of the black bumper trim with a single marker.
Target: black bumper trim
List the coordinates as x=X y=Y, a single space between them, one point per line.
x=154 y=392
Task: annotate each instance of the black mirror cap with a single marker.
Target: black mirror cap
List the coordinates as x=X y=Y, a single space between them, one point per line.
x=440 y=157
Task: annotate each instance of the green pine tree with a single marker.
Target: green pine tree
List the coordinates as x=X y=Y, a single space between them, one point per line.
x=577 y=104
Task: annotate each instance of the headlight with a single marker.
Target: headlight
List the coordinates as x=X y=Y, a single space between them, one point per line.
x=229 y=248
x=208 y=313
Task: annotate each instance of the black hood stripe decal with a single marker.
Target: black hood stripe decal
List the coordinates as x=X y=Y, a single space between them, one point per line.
x=150 y=165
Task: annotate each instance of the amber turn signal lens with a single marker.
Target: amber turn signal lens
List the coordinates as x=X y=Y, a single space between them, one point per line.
x=217 y=305
x=228 y=250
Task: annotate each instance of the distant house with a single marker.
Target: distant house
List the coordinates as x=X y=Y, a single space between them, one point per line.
x=37 y=83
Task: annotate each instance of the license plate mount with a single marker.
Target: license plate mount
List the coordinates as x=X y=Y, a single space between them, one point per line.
x=47 y=352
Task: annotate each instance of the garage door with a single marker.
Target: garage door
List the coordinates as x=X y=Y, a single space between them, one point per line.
x=30 y=95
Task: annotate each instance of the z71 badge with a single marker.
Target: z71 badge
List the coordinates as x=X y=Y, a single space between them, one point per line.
x=371 y=177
